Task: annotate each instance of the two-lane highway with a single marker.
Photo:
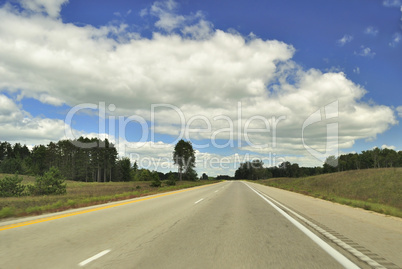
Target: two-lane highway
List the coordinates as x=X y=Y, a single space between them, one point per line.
x=225 y=225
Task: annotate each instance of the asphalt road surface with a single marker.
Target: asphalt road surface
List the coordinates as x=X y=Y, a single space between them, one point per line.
x=225 y=225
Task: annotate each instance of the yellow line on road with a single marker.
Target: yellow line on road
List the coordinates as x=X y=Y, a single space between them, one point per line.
x=26 y=223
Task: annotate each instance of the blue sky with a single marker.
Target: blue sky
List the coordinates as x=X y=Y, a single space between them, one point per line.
x=241 y=77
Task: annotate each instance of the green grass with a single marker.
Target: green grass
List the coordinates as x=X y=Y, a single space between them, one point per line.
x=80 y=194
x=378 y=190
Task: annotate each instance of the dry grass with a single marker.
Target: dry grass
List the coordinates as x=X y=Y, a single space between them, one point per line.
x=379 y=190
x=81 y=194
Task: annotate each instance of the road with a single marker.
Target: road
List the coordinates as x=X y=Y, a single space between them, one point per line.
x=225 y=225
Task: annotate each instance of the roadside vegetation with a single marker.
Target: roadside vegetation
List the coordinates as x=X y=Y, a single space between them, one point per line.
x=94 y=171
x=80 y=194
x=378 y=190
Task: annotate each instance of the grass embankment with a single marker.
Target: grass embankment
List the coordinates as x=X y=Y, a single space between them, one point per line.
x=80 y=194
x=378 y=190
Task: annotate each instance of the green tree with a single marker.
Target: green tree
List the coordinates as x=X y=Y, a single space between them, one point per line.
x=330 y=165
x=51 y=182
x=155 y=179
x=184 y=158
x=11 y=186
x=171 y=180
x=124 y=168
x=252 y=171
x=145 y=175
x=11 y=166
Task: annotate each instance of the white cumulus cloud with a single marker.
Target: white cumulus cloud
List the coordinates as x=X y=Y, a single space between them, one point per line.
x=50 y=7
x=222 y=85
x=388 y=147
x=19 y=126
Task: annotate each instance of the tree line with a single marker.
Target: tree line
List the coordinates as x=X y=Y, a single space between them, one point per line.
x=375 y=158
x=91 y=160
x=94 y=160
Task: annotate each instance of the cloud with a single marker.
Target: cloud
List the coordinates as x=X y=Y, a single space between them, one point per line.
x=344 y=40
x=193 y=25
x=202 y=30
x=356 y=70
x=388 y=147
x=19 y=126
x=396 y=39
x=168 y=21
x=248 y=89
x=144 y=12
x=365 y=52
x=371 y=31
x=399 y=111
x=9 y=111
x=49 y=7
x=392 y=3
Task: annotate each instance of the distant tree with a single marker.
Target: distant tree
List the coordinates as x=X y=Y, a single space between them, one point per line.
x=11 y=166
x=204 y=176
x=253 y=170
x=161 y=175
x=171 y=179
x=155 y=180
x=3 y=154
x=399 y=160
x=145 y=175
x=223 y=177
x=184 y=158
x=331 y=165
x=124 y=169
x=135 y=166
x=39 y=160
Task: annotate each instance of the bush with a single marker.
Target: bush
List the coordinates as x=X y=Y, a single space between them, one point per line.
x=11 y=186
x=156 y=180
x=50 y=183
x=171 y=181
x=156 y=183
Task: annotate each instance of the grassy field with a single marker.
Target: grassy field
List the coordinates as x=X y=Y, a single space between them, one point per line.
x=80 y=194
x=378 y=190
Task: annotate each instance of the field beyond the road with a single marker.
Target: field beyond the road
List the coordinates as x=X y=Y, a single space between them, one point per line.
x=378 y=190
x=80 y=194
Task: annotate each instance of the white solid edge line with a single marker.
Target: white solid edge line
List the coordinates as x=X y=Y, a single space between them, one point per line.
x=97 y=256
x=199 y=201
x=345 y=262
x=333 y=238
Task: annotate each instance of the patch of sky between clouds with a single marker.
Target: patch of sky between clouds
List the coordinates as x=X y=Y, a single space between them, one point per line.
x=38 y=109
